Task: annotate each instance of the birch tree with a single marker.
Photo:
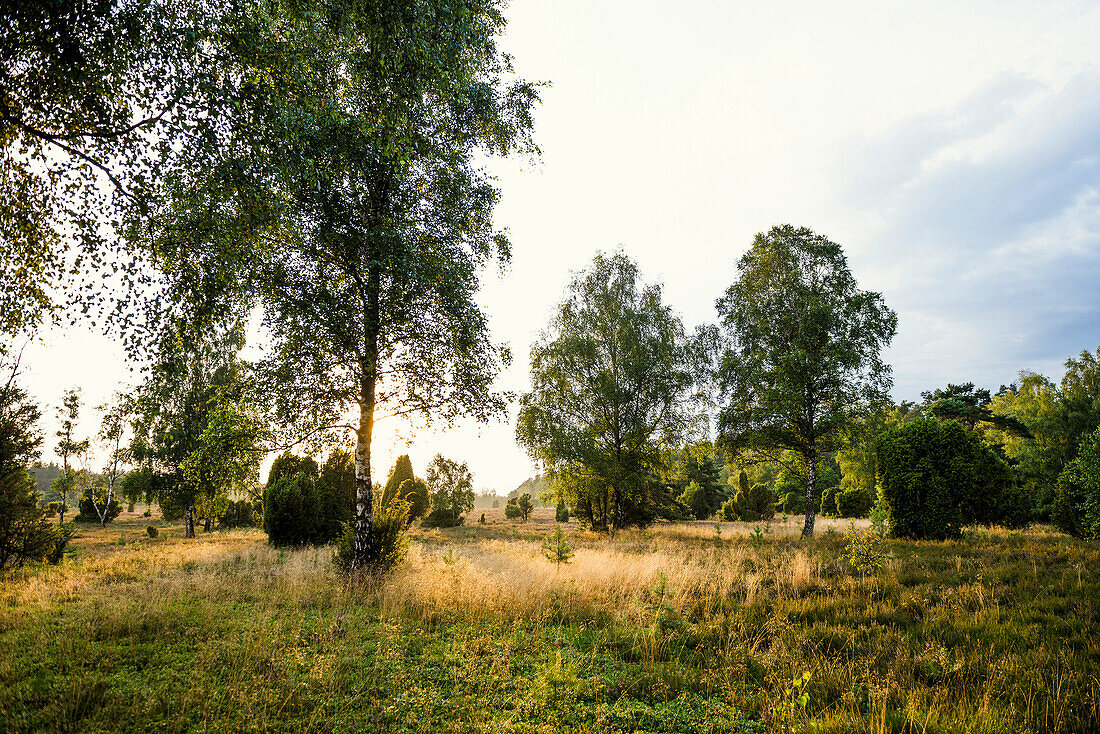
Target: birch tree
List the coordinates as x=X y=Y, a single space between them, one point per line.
x=802 y=352
x=344 y=196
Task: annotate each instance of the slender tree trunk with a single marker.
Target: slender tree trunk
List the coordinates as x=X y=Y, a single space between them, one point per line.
x=365 y=540
x=207 y=525
x=810 y=457
x=189 y=522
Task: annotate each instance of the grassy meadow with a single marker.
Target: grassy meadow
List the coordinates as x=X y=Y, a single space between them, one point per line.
x=675 y=629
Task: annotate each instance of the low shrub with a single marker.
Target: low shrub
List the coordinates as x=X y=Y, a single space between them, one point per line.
x=391 y=535
x=88 y=512
x=443 y=518
x=561 y=512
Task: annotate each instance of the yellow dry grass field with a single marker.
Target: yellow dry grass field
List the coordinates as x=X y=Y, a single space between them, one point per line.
x=671 y=628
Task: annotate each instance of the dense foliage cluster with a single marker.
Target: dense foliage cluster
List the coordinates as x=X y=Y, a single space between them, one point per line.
x=936 y=477
x=1077 y=504
x=305 y=504
x=403 y=485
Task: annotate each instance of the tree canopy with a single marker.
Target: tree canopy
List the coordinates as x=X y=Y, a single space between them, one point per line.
x=86 y=90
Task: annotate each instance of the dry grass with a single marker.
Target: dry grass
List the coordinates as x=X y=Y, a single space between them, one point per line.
x=673 y=628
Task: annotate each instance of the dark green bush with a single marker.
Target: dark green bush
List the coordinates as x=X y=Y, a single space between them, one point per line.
x=402 y=484
x=293 y=511
x=561 y=512
x=62 y=533
x=756 y=504
x=415 y=492
x=852 y=502
x=311 y=506
x=1077 y=495
x=238 y=514
x=729 y=511
x=88 y=511
x=695 y=499
x=937 y=476
x=792 y=503
x=336 y=483
x=829 y=506
x=519 y=507
x=290 y=465
x=151 y=531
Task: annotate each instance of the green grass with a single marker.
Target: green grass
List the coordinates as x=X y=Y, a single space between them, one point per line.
x=666 y=630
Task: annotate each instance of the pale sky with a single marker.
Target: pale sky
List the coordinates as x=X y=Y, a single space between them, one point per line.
x=952 y=149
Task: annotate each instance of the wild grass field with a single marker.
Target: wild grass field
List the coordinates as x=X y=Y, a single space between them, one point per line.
x=671 y=629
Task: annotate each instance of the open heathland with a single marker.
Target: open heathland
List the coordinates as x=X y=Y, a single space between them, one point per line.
x=675 y=628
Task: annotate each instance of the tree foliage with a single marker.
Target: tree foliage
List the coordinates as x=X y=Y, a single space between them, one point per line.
x=1077 y=504
x=343 y=191
x=802 y=354
x=935 y=477
x=85 y=87
x=611 y=386
x=450 y=490
x=25 y=532
x=401 y=472
x=970 y=406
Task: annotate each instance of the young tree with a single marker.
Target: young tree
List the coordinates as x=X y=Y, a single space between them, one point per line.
x=450 y=487
x=611 y=385
x=556 y=547
x=195 y=378
x=802 y=357
x=700 y=463
x=227 y=455
x=359 y=222
x=68 y=446
x=111 y=432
